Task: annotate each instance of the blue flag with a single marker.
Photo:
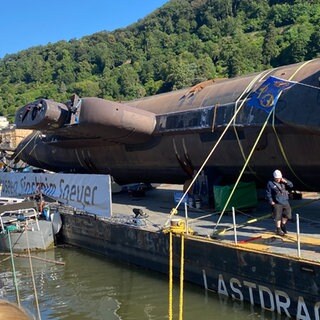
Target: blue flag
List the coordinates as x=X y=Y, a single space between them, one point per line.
x=267 y=95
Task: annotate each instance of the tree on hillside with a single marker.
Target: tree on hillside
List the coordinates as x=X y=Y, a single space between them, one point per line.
x=270 y=47
x=314 y=45
x=180 y=44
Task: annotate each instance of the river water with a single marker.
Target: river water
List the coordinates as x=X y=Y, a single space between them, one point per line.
x=90 y=286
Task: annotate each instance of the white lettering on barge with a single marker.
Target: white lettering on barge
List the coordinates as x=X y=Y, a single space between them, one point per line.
x=278 y=300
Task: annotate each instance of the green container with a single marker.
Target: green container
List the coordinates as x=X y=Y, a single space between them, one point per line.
x=244 y=196
x=11 y=228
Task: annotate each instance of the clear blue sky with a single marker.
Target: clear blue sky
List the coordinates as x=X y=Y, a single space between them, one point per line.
x=28 y=23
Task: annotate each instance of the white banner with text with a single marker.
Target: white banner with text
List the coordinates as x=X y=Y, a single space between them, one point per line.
x=88 y=192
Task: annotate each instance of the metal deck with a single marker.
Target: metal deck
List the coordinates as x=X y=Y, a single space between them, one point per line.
x=256 y=235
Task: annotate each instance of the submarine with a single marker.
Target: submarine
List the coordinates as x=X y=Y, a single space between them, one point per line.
x=165 y=138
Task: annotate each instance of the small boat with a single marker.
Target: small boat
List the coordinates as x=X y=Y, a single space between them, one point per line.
x=9 y=310
x=10 y=200
x=24 y=228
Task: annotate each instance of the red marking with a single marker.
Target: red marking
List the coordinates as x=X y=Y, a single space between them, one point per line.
x=250 y=239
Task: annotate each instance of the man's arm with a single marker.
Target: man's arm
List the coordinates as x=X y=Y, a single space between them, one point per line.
x=288 y=183
x=269 y=193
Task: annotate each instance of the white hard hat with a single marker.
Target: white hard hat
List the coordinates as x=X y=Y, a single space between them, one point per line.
x=277 y=174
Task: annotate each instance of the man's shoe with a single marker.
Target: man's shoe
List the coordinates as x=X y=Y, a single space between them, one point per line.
x=284 y=228
x=279 y=232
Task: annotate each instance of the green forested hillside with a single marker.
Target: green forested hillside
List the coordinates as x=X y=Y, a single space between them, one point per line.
x=180 y=44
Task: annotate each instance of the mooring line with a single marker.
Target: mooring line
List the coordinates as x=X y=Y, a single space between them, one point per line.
x=32 y=274
x=14 y=270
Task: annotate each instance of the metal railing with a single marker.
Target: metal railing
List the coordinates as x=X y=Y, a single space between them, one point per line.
x=13 y=216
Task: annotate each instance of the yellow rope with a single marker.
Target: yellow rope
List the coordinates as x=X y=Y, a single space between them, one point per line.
x=278 y=138
x=181 y=278
x=179 y=228
x=244 y=167
x=170 y=275
x=249 y=86
x=298 y=69
x=286 y=158
x=253 y=148
x=242 y=151
x=280 y=146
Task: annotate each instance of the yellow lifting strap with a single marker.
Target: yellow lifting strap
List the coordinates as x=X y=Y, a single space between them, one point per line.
x=243 y=94
x=277 y=136
x=242 y=171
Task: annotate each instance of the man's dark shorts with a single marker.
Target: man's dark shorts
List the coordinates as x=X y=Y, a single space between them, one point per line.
x=281 y=210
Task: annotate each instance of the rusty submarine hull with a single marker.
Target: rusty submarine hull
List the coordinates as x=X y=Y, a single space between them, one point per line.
x=164 y=138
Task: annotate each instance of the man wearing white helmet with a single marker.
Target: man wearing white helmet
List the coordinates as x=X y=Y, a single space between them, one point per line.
x=278 y=197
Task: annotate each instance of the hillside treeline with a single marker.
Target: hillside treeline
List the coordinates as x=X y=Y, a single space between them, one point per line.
x=182 y=43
